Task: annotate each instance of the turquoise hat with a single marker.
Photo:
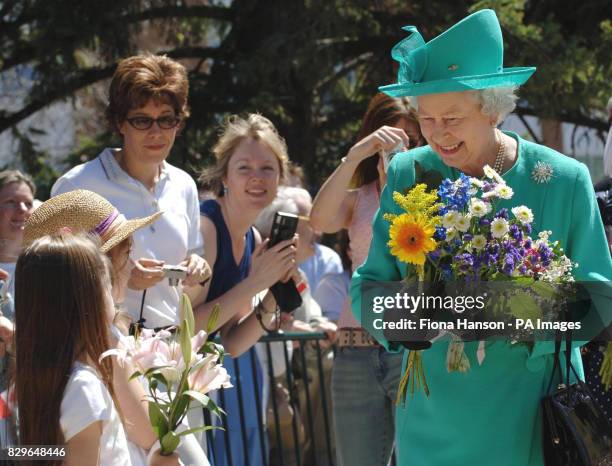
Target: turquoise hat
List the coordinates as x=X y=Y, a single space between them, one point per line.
x=468 y=56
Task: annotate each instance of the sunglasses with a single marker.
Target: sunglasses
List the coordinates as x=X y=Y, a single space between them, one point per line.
x=143 y=123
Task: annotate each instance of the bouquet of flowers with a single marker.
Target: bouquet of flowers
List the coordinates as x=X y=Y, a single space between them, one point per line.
x=456 y=233
x=180 y=368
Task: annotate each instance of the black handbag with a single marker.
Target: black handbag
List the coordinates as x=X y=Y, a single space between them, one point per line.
x=575 y=431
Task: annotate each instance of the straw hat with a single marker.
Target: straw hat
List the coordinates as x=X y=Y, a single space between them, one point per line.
x=83 y=210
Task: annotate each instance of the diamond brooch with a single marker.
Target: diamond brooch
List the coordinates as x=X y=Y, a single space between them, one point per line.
x=542 y=172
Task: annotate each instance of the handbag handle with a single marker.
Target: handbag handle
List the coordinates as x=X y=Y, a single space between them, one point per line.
x=568 y=359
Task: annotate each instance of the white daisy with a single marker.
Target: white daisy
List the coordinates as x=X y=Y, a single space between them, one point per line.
x=476 y=183
x=451 y=234
x=463 y=222
x=478 y=208
x=499 y=227
x=523 y=214
x=450 y=219
x=479 y=242
x=504 y=191
x=492 y=174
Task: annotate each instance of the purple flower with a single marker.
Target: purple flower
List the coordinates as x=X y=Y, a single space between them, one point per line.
x=527 y=228
x=508 y=266
x=493 y=248
x=516 y=233
x=484 y=222
x=545 y=255
x=467 y=237
x=465 y=262
x=502 y=213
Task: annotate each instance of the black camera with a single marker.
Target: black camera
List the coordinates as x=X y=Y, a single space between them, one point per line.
x=286 y=294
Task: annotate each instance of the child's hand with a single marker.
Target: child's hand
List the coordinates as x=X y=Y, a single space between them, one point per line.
x=156 y=459
x=7 y=330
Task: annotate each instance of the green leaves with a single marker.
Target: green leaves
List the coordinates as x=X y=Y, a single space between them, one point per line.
x=214 y=317
x=158 y=420
x=169 y=442
x=187 y=327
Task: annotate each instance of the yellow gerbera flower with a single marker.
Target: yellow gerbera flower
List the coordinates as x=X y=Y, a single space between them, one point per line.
x=411 y=238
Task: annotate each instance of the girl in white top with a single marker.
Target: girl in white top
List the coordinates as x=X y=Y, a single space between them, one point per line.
x=63 y=308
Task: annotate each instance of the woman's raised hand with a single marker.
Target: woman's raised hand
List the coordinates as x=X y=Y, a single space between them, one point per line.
x=270 y=265
x=385 y=138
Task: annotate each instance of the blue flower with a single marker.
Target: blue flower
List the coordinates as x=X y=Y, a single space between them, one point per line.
x=484 y=222
x=440 y=234
x=454 y=194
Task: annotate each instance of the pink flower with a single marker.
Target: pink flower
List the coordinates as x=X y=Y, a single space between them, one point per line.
x=198 y=340
x=208 y=375
x=155 y=352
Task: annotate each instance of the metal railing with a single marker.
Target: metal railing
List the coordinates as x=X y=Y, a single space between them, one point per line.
x=306 y=382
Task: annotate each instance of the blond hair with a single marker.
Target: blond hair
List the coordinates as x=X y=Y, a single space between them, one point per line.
x=235 y=130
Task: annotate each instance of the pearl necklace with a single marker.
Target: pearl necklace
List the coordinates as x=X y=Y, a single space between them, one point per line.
x=499 y=158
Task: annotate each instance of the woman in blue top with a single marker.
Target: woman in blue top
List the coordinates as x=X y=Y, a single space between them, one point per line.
x=489 y=415
x=251 y=160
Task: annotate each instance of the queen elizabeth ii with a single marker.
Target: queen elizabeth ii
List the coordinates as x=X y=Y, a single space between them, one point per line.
x=490 y=415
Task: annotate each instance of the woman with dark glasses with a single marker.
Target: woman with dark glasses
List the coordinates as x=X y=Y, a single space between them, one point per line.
x=147 y=106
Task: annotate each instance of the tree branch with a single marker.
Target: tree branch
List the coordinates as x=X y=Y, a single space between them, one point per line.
x=200 y=11
x=528 y=127
x=342 y=70
x=88 y=77
x=577 y=119
x=28 y=52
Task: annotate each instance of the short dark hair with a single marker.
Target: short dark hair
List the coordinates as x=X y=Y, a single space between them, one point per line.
x=141 y=78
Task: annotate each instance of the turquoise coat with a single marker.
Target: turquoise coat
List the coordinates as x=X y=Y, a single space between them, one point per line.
x=490 y=415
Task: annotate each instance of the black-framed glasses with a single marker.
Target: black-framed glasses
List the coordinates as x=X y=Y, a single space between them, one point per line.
x=144 y=123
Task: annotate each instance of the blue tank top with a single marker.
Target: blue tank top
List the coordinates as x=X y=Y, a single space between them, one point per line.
x=225 y=275
x=225 y=272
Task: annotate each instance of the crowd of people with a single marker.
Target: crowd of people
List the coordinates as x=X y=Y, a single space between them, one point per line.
x=86 y=268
